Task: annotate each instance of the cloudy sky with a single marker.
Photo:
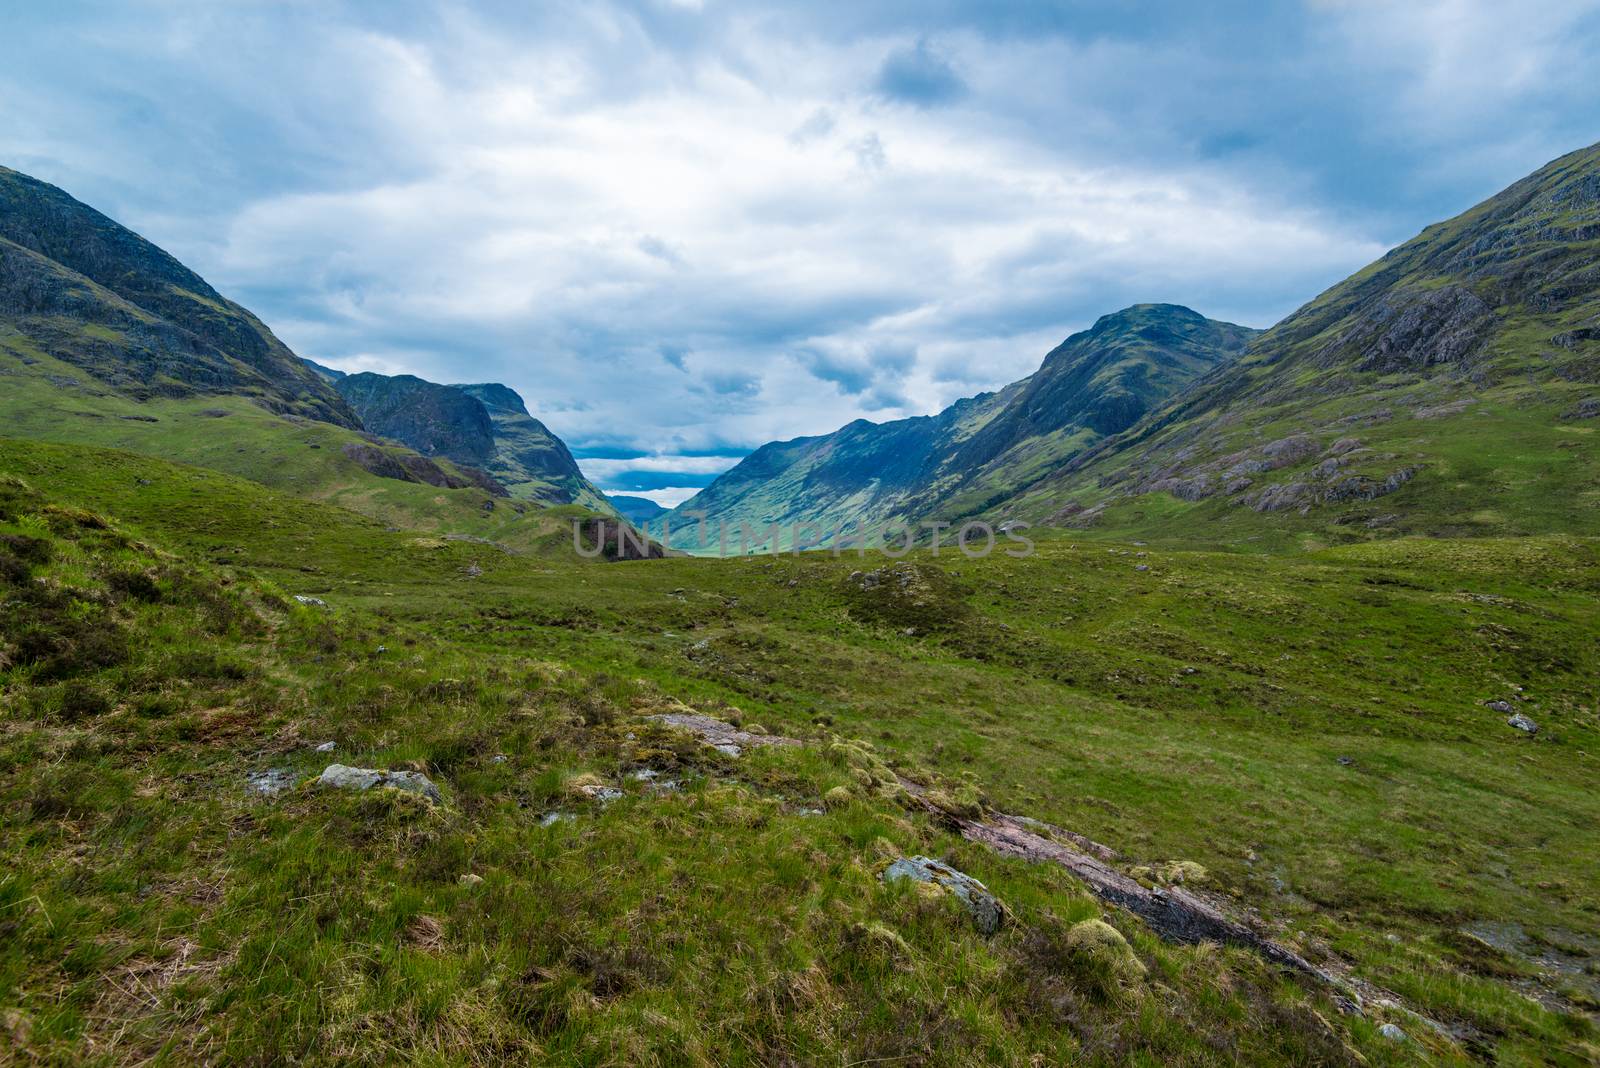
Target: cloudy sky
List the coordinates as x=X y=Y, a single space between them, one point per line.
x=681 y=228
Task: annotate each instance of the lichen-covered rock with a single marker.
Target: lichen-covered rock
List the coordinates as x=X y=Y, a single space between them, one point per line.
x=987 y=911
x=1523 y=724
x=342 y=777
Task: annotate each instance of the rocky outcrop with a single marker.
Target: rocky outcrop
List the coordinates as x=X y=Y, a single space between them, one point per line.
x=1411 y=330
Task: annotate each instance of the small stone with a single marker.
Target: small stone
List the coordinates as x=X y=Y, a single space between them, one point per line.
x=324 y=747
x=1345 y=762
x=312 y=602
x=470 y=880
x=498 y=758
x=987 y=912
x=549 y=819
x=346 y=778
x=728 y=748
x=1392 y=1033
x=269 y=783
x=603 y=794
x=910 y=632
x=1523 y=724
x=1141 y=567
x=1503 y=707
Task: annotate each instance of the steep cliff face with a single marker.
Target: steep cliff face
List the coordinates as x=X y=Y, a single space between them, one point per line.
x=78 y=287
x=528 y=459
x=433 y=419
x=980 y=449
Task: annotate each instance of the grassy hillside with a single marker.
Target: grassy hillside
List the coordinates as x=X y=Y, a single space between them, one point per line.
x=44 y=399
x=1311 y=731
x=1450 y=388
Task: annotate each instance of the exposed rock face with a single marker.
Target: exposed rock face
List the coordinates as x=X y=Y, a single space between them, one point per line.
x=434 y=420
x=1411 y=331
x=987 y=911
x=98 y=296
x=528 y=458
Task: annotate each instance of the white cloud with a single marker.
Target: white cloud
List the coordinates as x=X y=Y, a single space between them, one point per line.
x=678 y=228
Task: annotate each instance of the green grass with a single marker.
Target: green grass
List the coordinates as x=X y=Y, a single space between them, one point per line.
x=235 y=436
x=153 y=908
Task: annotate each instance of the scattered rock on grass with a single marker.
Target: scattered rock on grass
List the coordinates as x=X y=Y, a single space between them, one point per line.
x=325 y=747
x=470 y=880
x=1392 y=1033
x=342 y=777
x=1523 y=724
x=269 y=783
x=1505 y=708
x=311 y=602
x=550 y=819
x=987 y=912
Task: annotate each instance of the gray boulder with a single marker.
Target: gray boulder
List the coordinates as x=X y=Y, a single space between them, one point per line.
x=1523 y=724
x=987 y=911
x=347 y=778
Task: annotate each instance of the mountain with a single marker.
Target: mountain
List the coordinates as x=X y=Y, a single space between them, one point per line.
x=483 y=425
x=1449 y=388
x=433 y=419
x=527 y=458
x=78 y=287
x=636 y=510
x=108 y=341
x=981 y=449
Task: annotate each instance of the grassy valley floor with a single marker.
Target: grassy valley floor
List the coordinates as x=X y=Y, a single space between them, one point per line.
x=1308 y=736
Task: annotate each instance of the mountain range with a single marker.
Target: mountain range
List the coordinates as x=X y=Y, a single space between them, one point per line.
x=978 y=450
x=1444 y=389
x=1448 y=388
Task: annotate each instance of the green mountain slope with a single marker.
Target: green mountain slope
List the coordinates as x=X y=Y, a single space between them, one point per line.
x=94 y=294
x=1450 y=387
x=107 y=340
x=979 y=450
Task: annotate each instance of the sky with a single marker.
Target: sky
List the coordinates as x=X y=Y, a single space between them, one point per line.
x=683 y=228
